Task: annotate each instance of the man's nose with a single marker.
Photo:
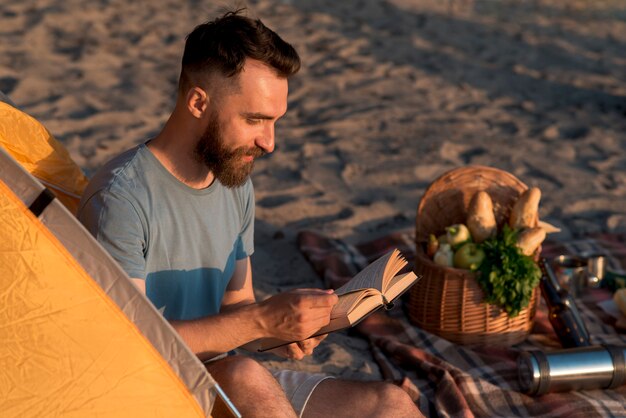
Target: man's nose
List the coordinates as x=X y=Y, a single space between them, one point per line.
x=266 y=141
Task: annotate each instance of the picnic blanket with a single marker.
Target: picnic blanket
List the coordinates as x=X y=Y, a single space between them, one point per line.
x=449 y=380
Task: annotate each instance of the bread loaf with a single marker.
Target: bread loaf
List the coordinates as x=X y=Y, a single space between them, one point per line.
x=550 y=229
x=530 y=239
x=525 y=212
x=481 y=220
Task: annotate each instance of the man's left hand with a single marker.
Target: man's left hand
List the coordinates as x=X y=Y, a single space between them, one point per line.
x=300 y=349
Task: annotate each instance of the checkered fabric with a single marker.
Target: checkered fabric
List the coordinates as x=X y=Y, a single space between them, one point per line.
x=449 y=380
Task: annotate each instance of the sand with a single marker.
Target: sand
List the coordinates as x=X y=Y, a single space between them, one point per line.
x=391 y=95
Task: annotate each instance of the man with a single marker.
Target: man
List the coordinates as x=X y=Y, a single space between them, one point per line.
x=178 y=214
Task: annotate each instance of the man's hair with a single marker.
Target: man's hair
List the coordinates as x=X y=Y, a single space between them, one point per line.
x=223 y=45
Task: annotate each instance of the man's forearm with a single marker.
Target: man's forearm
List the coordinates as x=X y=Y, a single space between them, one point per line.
x=216 y=334
x=291 y=316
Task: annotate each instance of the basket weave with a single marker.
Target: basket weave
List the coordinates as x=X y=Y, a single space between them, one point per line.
x=449 y=301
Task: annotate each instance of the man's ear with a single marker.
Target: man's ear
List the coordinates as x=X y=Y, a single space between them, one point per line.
x=197 y=101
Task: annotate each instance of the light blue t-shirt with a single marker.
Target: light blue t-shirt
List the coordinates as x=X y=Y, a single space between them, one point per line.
x=184 y=242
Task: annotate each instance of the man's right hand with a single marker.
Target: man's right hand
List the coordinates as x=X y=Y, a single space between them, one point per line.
x=297 y=314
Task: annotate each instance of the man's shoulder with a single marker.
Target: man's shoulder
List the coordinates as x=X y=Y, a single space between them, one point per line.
x=117 y=174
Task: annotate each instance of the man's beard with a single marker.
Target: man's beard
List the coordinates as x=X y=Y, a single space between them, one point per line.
x=225 y=164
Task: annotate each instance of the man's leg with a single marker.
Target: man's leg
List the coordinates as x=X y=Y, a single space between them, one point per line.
x=343 y=398
x=251 y=387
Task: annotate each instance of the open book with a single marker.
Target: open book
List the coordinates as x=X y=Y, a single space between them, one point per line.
x=376 y=286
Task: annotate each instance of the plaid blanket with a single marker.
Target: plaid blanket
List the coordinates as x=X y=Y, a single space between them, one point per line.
x=449 y=380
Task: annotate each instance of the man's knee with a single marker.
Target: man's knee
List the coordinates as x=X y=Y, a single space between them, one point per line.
x=238 y=370
x=393 y=398
x=363 y=399
x=389 y=400
x=251 y=387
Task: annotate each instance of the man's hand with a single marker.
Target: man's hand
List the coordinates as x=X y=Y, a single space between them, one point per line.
x=299 y=350
x=297 y=314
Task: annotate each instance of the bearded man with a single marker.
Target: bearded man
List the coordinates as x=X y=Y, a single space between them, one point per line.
x=177 y=213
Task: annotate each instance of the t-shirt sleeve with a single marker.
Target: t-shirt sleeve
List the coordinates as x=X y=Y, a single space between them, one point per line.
x=247 y=230
x=117 y=226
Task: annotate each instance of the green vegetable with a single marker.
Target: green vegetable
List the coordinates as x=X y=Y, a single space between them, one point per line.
x=507 y=276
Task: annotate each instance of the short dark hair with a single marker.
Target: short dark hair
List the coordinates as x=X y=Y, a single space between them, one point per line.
x=224 y=44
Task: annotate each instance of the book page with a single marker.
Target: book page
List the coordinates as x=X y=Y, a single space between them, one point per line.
x=372 y=275
x=347 y=301
x=399 y=284
x=395 y=264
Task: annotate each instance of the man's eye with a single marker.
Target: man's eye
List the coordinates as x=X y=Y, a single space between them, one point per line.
x=252 y=121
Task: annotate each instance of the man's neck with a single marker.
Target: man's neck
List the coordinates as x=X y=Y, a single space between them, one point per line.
x=174 y=148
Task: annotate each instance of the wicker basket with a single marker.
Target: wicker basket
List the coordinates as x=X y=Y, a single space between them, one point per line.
x=449 y=301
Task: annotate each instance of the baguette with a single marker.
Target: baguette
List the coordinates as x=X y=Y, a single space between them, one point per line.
x=530 y=239
x=525 y=212
x=550 y=229
x=481 y=220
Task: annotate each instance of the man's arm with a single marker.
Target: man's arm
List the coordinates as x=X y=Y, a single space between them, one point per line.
x=213 y=335
x=291 y=316
x=240 y=292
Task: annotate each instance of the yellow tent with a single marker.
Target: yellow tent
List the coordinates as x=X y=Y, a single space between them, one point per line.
x=30 y=143
x=77 y=338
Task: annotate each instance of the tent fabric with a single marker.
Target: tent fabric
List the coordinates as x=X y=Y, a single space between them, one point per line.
x=77 y=338
x=30 y=143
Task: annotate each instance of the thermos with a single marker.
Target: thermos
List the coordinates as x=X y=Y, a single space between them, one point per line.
x=594 y=367
x=579 y=367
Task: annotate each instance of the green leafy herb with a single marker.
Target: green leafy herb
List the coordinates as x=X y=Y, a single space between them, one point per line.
x=507 y=276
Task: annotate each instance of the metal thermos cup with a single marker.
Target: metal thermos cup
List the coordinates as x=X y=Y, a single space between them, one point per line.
x=593 y=367
x=596 y=268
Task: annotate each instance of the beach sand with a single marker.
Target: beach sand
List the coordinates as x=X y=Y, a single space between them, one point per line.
x=391 y=95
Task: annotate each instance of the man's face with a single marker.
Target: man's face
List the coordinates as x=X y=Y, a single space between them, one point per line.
x=231 y=167
x=240 y=125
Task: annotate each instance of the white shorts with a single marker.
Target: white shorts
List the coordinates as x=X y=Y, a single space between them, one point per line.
x=298 y=386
